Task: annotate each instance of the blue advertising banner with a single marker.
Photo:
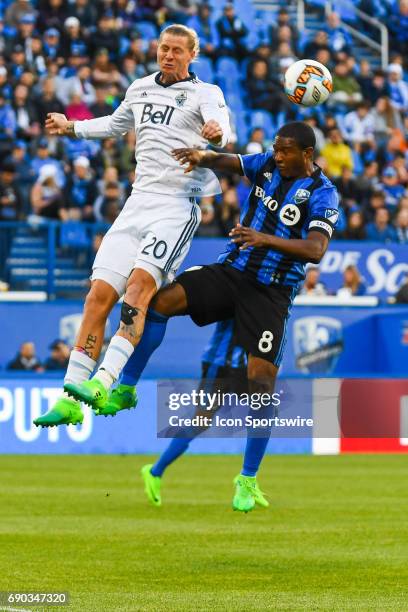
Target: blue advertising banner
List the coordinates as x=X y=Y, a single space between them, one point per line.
x=134 y=431
x=321 y=340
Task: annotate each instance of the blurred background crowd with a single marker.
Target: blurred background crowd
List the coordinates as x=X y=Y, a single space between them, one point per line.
x=78 y=58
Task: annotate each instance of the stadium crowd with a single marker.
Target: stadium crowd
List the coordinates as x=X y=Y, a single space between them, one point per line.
x=79 y=57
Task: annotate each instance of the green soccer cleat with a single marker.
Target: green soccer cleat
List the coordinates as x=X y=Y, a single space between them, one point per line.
x=152 y=485
x=90 y=392
x=66 y=411
x=123 y=397
x=247 y=494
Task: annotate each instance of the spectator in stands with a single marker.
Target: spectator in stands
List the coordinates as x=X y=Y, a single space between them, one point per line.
x=101 y=107
x=8 y=123
x=320 y=139
x=151 y=57
x=16 y=10
x=284 y=20
x=104 y=72
x=265 y=92
x=108 y=205
x=77 y=109
x=312 y=286
x=5 y=86
x=358 y=125
x=131 y=71
x=380 y=229
x=284 y=57
x=368 y=181
x=348 y=188
x=318 y=42
x=337 y=154
x=80 y=85
x=353 y=284
x=230 y=210
x=375 y=202
x=398 y=88
x=51 y=45
x=26 y=114
x=256 y=142
x=80 y=192
x=401 y=167
x=74 y=42
x=232 y=33
x=85 y=12
x=24 y=34
x=43 y=158
x=106 y=36
x=203 y=24
x=401 y=226
x=58 y=360
x=179 y=11
x=17 y=65
x=346 y=90
x=391 y=187
x=46 y=195
x=11 y=203
x=47 y=102
x=210 y=224
x=398 y=25
x=52 y=15
x=386 y=119
x=26 y=359
x=339 y=39
x=355 y=229
x=21 y=160
x=127 y=154
x=284 y=35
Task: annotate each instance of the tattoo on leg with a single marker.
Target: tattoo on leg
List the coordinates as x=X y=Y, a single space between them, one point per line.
x=128 y=330
x=90 y=343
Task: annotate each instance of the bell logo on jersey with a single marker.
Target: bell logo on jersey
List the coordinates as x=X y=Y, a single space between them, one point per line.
x=267 y=200
x=160 y=116
x=289 y=214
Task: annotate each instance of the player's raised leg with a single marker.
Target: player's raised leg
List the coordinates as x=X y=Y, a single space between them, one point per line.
x=98 y=304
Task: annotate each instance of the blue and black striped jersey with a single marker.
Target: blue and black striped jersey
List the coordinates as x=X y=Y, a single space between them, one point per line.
x=287 y=208
x=221 y=350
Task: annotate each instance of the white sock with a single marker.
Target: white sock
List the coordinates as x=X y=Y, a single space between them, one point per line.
x=80 y=367
x=116 y=357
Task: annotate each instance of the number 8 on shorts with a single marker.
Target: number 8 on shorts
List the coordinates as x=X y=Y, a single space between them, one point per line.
x=265 y=343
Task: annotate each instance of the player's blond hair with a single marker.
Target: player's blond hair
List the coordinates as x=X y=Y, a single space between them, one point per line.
x=181 y=30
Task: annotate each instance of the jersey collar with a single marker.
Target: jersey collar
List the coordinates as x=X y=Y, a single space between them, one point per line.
x=192 y=76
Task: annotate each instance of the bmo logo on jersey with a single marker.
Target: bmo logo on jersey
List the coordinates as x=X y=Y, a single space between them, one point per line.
x=162 y=117
x=289 y=214
x=269 y=202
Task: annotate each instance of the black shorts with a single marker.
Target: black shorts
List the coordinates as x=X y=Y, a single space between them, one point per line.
x=219 y=292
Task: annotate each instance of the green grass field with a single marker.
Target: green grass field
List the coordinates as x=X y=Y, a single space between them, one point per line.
x=335 y=537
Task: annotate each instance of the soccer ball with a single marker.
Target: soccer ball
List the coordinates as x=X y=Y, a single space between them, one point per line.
x=308 y=83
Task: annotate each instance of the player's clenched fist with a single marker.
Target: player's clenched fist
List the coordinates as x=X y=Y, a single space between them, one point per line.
x=212 y=132
x=192 y=157
x=57 y=123
x=248 y=237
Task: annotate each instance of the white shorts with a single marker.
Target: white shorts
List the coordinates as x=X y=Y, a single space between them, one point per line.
x=152 y=232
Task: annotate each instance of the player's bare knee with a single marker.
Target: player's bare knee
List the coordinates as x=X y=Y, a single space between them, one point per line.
x=99 y=302
x=170 y=301
x=261 y=373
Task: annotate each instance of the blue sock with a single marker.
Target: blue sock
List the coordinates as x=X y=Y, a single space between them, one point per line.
x=153 y=334
x=177 y=447
x=254 y=451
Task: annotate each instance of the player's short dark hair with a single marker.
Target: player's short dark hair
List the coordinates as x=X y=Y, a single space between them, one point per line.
x=301 y=132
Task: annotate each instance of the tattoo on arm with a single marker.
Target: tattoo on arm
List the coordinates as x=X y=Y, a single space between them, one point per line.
x=70 y=130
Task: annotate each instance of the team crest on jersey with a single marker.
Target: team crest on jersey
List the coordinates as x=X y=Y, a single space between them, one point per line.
x=181 y=98
x=268 y=176
x=301 y=196
x=289 y=214
x=331 y=214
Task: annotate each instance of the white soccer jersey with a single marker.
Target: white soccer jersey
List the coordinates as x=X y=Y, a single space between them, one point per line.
x=165 y=117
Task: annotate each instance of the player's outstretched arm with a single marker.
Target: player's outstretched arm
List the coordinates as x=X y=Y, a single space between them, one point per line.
x=312 y=248
x=199 y=158
x=117 y=124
